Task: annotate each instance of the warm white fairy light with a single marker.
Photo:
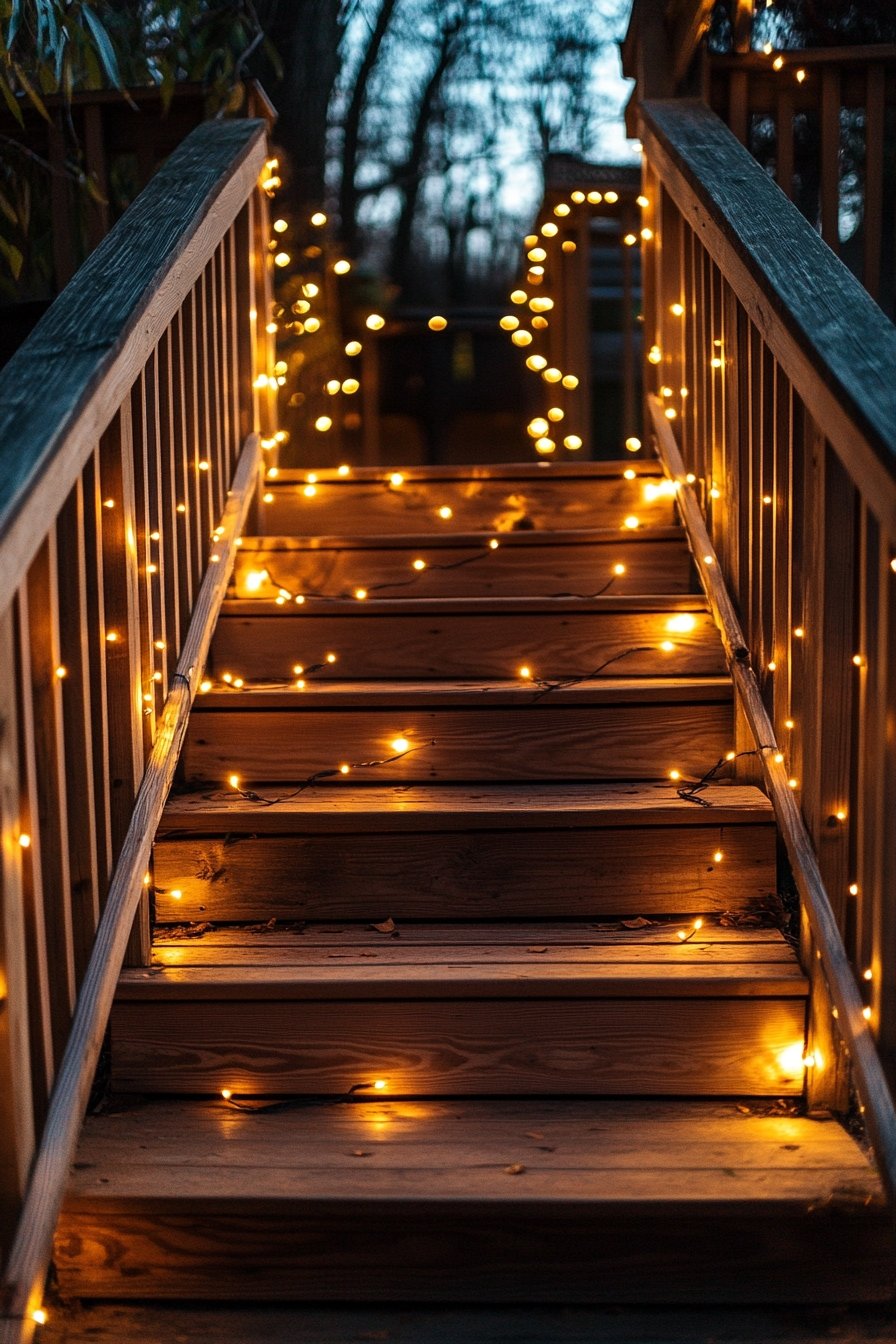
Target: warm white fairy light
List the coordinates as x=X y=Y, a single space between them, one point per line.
x=375 y=322
x=509 y=323
x=400 y=745
x=437 y=323
x=446 y=512
x=681 y=624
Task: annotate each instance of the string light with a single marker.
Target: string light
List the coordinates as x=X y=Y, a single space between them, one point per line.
x=633 y=444
x=342 y=267
x=375 y=322
x=25 y=840
x=437 y=323
x=685 y=936
x=509 y=323
x=318 y=219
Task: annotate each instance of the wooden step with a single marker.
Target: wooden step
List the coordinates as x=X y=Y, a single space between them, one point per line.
x=488 y=1201
x=452 y=1010
x=619 y=728
x=543 y=564
x=483 y=852
x=466 y=637
x=314 y=503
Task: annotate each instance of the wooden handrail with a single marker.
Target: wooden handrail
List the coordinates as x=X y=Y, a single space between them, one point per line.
x=122 y=421
x=770 y=371
x=832 y=341
x=60 y=390
x=29 y=1256
x=871 y=1085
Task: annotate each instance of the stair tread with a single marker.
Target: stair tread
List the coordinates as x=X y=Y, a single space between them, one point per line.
x=503 y=471
x=670 y=1155
x=460 y=806
x=474 y=605
x=396 y=541
x=456 y=960
x=468 y=693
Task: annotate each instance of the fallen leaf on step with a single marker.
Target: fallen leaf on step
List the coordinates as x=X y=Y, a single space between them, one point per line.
x=359 y=1152
x=638 y=923
x=533 y=1134
x=387 y=926
x=744 y=1110
x=536 y=949
x=516 y=1169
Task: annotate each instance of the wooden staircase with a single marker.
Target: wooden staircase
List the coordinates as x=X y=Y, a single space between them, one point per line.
x=498 y=1014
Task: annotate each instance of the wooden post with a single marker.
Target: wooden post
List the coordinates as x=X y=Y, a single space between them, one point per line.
x=16 y=1115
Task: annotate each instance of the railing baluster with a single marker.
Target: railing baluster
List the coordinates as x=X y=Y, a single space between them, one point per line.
x=50 y=785
x=79 y=726
x=122 y=636
x=16 y=1103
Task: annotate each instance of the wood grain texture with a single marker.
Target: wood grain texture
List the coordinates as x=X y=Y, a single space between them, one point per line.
x=400 y=809
x=341 y=506
x=691 y=1201
x=555 y=643
x=553 y=742
x=540 y=564
x=59 y=391
x=516 y=872
x=459 y=1046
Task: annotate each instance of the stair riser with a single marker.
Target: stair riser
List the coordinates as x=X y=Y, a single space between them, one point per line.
x=491 y=645
x=483 y=875
x=338 y=509
x=513 y=570
x=661 y=1046
x=540 y=742
x=364 y=1250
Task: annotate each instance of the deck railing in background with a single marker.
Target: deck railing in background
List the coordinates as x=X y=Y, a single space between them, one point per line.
x=823 y=120
x=775 y=371
x=122 y=419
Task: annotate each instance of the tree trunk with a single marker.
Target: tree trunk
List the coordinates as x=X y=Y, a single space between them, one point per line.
x=348 y=192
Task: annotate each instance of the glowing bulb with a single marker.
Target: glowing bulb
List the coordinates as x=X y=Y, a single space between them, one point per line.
x=552 y=375
x=670 y=413
x=400 y=744
x=226 y=1093
x=332 y=386
x=545 y=446
x=39 y=1316
x=493 y=544
x=537 y=427
x=112 y=637
x=282 y=259
x=642 y=201
x=594 y=198
x=577 y=197
x=233 y=781
x=360 y=594
x=629 y=474
x=646 y=234
x=254 y=580
x=561 y=210
x=631 y=522
x=25 y=840
x=396 y=479
x=350 y=386
x=858 y=660
x=509 y=323
x=718 y=856
x=536 y=363
x=789 y=723
x=344 y=769
x=342 y=267
x=793 y=783
x=353 y=348
x=667 y=646
x=799 y=632
x=778 y=758
x=866 y=1013
x=375 y=322
x=800 y=76
x=522 y=338
x=570 y=382
x=633 y=444
x=541 y=304
x=715 y=362
x=519 y=296
x=730 y=756
x=549 y=230
x=619 y=570
x=204 y=687
x=778 y=63
x=681 y=624
x=309 y=491
x=572 y=442
x=419 y=565
x=537 y=254
x=380 y=1084
x=446 y=512
x=853 y=888
x=611 y=197
x=437 y=323
x=772 y=666
x=675 y=774
x=677 y=309
x=630 y=239
x=318 y=219
x=312 y=324
x=654 y=355
x=323 y=423
x=868 y=974
x=840 y=814
x=343 y=469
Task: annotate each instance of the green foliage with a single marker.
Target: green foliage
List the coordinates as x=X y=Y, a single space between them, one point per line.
x=61 y=47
